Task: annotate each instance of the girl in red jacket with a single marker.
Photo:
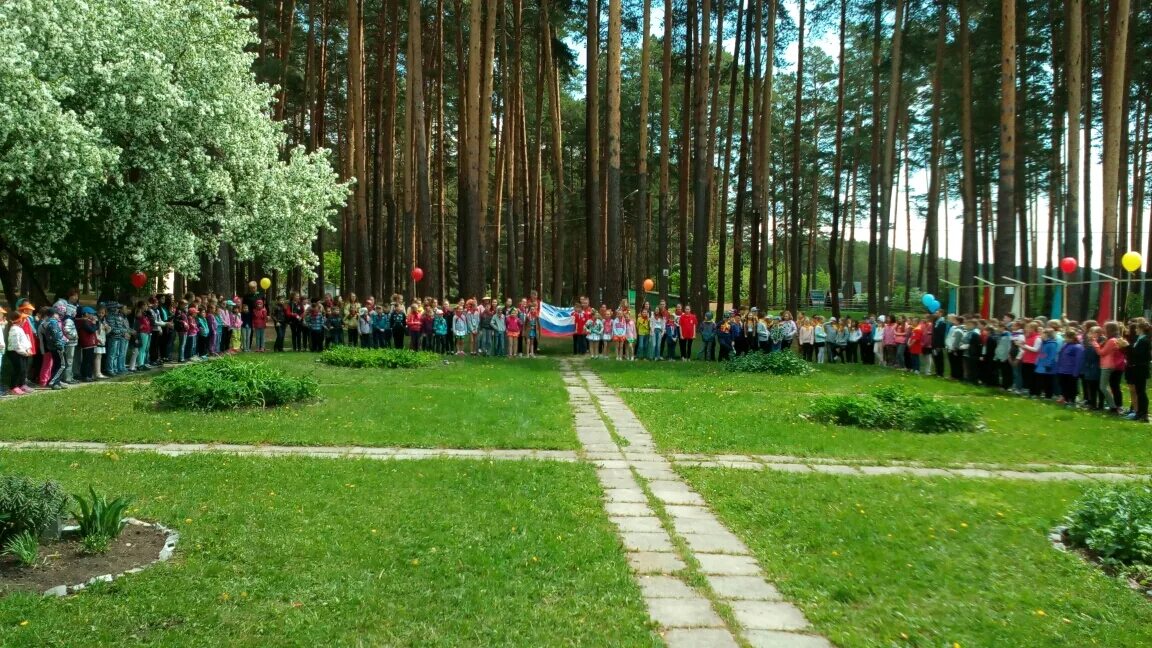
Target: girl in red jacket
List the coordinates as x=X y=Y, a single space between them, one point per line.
x=414 y=328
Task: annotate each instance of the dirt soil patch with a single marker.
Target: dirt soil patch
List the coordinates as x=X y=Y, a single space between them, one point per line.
x=63 y=562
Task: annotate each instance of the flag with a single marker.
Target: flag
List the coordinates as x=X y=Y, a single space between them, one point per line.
x=953 y=300
x=556 y=321
x=986 y=303
x=1058 y=303
x=1106 y=313
x=1018 y=300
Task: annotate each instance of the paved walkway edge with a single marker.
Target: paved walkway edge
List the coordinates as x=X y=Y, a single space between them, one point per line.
x=736 y=584
x=332 y=452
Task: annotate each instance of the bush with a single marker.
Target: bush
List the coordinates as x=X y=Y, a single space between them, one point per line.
x=1114 y=523
x=361 y=358
x=895 y=408
x=779 y=363
x=30 y=505
x=229 y=383
x=100 y=521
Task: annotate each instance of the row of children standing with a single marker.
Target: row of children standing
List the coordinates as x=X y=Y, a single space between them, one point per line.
x=476 y=327
x=653 y=334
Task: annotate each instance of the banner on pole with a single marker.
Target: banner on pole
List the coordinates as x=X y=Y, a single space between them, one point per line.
x=556 y=321
x=1105 y=314
x=986 y=303
x=953 y=300
x=1057 y=302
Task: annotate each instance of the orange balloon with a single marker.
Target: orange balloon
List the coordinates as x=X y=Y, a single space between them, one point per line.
x=649 y=284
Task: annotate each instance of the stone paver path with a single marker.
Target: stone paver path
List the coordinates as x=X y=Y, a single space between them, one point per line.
x=660 y=553
x=336 y=452
x=1030 y=472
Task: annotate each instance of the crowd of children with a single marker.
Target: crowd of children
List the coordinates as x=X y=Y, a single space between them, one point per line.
x=1081 y=364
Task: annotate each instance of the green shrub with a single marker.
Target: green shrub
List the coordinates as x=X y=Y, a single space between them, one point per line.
x=229 y=383
x=100 y=521
x=1114 y=523
x=938 y=416
x=24 y=547
x=779 y=363
x=895 y=408
x=361 y=358
x=30 y=505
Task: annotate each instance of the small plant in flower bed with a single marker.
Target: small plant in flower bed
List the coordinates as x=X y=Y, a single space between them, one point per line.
x=779 y=363
x=28 y=505
x=229 y=383
x=895 y=408
x=361 y=358
x=1113 y=524
x=100 y=521
x=24 y=547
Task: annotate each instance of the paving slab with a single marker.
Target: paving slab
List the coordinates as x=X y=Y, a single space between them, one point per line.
x=699 y=638
x=655 y=562
x=690 y=512
x=706 y=524
x=629 y=495
x=777 y=639
x=715 y=543
x=693 y=612
x=678 y=497
x=660 y=586
x=788 y=467
x=726 y=565
x=628 y=508
x=646 y=541
x=628 y=524
x=744 y=588
x=766 y=615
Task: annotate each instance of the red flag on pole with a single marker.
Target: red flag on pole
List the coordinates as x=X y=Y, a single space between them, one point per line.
x=1105 y=303
x=986 y=303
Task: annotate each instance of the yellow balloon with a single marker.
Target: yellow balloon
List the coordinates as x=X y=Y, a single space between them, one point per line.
x=1132 y=261
x=265 y=283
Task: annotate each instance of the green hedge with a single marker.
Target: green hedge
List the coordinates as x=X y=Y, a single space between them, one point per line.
x=29 y=505
x=361 y=358
x=895 y=408
x=230 y=383
x=779 y=363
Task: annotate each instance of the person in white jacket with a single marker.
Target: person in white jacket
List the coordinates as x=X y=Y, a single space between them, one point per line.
x=19 y=350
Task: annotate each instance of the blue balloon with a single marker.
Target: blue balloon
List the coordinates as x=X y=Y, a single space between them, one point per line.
x=933 y=307
x=928 y=298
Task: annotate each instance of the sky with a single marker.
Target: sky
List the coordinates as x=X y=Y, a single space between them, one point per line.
x=919 y=178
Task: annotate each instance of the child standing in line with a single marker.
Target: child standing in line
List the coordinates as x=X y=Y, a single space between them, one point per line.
x=708 y=335
x=512 y=327
x=643 y=331
x=1046 y=363
x=1090 y=369
x=1068 y=364
x=619 y=335
x=317 y=321
x=19 y=350
x=414 y=328
x=820 y=339
x=236 y=342
x=630 y=336
x=143 y=327
x=87 y=328
x=334 y=324
x=915 y=346
x=672 y=334
x=440 y=330
x=102 y=341
x=460 y=329
x=532 y=322
x=595 y=327
x=260 y=324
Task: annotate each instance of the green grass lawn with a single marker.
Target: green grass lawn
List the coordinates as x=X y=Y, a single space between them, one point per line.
x=926 y=563
x=468 y=403
x=759 y=414
x=314 y=552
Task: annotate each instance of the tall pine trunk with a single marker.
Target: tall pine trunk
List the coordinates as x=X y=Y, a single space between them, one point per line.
x=1004 y=259
x=969 y=245
x=614 y=281
x=592 y=197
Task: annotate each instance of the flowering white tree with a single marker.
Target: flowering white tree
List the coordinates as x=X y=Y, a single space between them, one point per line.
x=134 y=131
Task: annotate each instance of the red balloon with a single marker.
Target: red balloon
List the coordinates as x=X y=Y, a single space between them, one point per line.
x=417 y=274
x=1069 y=265
x=139 y=279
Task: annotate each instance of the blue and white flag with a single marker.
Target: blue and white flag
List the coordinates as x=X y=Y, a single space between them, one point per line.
x=556 y=321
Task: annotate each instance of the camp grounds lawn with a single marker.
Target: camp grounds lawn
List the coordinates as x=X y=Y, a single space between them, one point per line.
x=328 y=552
x=699 y=407
x=906 y=562
x=466 y=403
